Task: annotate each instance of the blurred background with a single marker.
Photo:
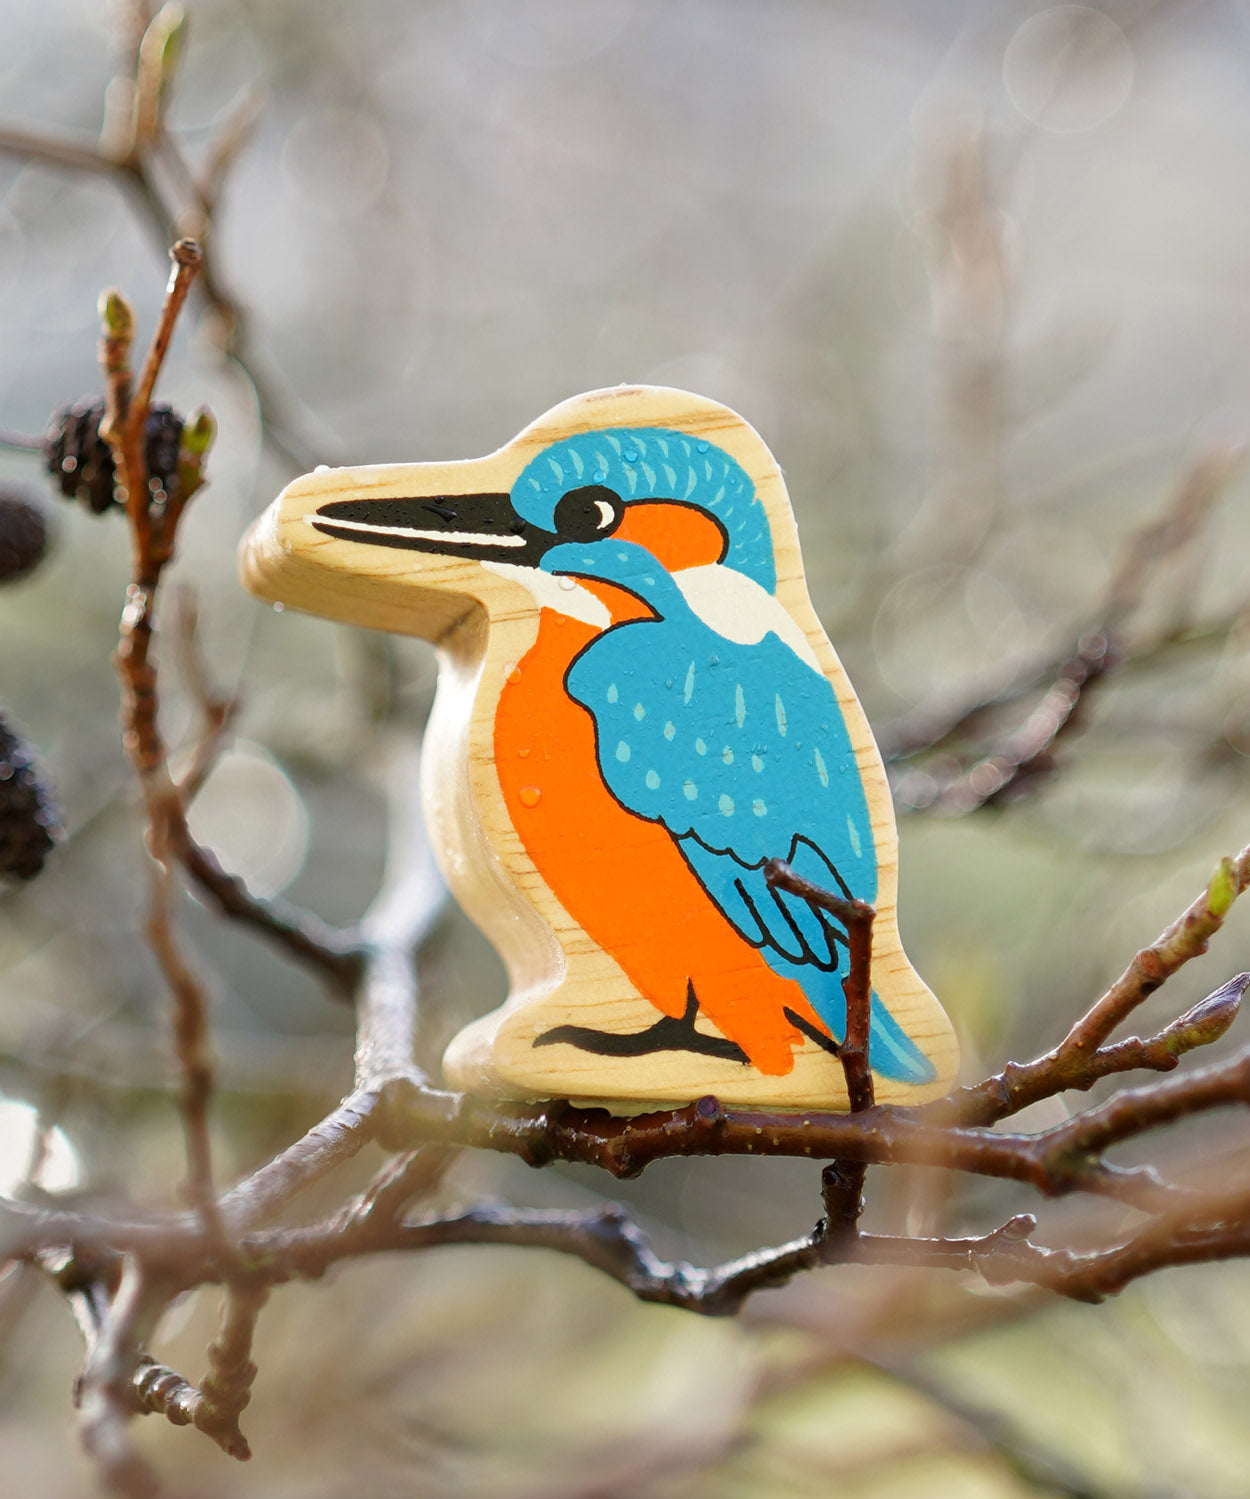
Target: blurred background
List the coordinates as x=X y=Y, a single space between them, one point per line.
x=977 y=271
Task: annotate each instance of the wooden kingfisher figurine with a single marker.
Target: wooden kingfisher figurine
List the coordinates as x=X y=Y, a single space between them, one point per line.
x=637 y=708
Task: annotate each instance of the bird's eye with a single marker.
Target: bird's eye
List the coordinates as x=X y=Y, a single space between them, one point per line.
x=588 y=513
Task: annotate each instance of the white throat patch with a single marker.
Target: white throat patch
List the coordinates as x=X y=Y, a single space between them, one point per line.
x=549 y=592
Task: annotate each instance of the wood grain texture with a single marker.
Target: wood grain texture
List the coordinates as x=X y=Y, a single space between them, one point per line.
x=484 y=762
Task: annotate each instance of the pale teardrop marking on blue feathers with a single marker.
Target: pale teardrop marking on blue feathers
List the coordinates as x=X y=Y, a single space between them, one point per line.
x=791 y=764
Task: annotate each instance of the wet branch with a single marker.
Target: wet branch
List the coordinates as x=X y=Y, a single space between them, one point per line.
x=842 y=1181
x=153 y=524
x=1080 y=1058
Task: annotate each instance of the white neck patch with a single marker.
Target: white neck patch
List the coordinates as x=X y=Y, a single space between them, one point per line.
x=727 y=601
x=738 y=608
x=549 y=592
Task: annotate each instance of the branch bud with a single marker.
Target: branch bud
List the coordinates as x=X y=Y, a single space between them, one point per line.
x=162 y=41
x=186 y=252
x=117 y=319
x=197 y=437
x=1222 y=891
x=159 y=53
x=199 y=432
x=1207 y=1021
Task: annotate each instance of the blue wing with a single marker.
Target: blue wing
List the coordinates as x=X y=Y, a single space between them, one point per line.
x=741 y=752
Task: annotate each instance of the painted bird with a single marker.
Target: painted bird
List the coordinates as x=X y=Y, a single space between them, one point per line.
x=649 y=712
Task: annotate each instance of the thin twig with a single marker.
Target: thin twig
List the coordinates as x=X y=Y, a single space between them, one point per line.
x=842 y=1181
x=154 y=531
x=22 y=441
x=1100 y=649
x=227 y=1387
x=104 y=1391
x=610 y=1240
x=217 y=710
x=152 y=1388
x=856 y=917
x=409 y=903
x=335 y=953
x=237 y=130
x=1020 y=758
x=1038 y=1468
x=54 y=151
x=190 y=1033
x=342 y=1134
x=133 y=172
x=1018 y=1085
x=152 y=534
x=187 y=259
x=1183 y=520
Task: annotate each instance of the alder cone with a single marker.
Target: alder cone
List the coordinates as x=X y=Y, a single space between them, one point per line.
x=81 y=462
x=29 y=821
x=23 y=531
x=77 y=456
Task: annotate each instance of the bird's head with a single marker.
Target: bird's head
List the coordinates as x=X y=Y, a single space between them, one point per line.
x=592 y=507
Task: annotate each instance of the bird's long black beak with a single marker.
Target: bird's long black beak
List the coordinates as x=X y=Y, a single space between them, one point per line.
x=484 y=527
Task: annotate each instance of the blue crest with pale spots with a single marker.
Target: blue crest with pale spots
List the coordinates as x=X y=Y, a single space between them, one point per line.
x=740 y=751
x=654 y=463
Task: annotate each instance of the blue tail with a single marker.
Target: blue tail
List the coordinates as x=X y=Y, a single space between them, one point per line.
x=892 y=1052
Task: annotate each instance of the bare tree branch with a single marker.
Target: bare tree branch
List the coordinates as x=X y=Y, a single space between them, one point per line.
x=104 y=1391
x=1073 y=1060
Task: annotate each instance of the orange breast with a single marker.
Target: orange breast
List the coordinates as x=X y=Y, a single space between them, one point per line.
x=622 y=879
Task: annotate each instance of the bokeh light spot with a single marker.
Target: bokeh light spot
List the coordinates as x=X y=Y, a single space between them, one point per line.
x=53 y=1166
x=253 y=819
x=337 y=160
x=1068 y=69
x=947 y=623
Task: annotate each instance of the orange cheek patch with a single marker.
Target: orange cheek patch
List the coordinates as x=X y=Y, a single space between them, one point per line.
x=677 y=536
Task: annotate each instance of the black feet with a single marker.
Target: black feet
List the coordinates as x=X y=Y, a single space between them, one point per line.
x=666 y=1034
